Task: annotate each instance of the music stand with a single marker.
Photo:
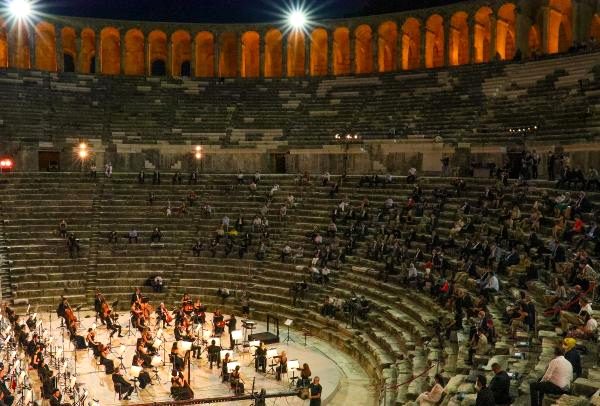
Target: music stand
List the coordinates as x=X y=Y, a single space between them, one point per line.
x=236 y=335
x=135 y=373
x=231 y=366
x=293 y=365
x=288 y=323
x=122 y=350
x=272 y=353
x=156 y=362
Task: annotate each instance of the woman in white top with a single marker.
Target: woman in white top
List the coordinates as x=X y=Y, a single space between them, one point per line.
x=434 y=395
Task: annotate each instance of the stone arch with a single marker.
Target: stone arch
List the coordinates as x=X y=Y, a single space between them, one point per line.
x=483 y=35
x=110 y=54
x=459 y=39
x=506 y=32
x=22 y=53
x=411 y=44
x=69 y=49
x=560 y=26
x=3 y=45
x=45 y=47
x=595 y=27
x=296 y=54
x=205 y=54
x=318 y=52
x=273 y=54
x=535 y=40
x=434 y=41
x=87 y=57
x=181 y=53
x=250 y=55
x=157 y=53
x=341 y=51
x=387 y=45
x=134 y=53
x=228 y=55
x=363 y=49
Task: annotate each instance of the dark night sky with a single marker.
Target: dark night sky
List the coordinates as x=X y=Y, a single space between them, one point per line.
x=223 y=11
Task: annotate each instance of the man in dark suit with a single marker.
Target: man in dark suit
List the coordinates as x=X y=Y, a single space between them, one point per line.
x=485 y=397
x=122 y=386
x=500 y=385
x=55 y=399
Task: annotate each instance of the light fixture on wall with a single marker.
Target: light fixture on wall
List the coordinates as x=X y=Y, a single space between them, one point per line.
x=20 y=9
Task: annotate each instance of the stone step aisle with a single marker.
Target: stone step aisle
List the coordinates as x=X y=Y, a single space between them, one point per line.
x=102 y=192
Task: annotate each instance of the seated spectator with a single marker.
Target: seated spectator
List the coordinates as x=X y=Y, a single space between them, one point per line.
x=73 y=245
x=587 y=330
x=133 y=236
x=433 y=396
x=412 y=175
x=478 y=345
x=556 y=380
x=572 y=355
x=485 y=397
x=62 y=229
x=156 y=235
x=569 y=318
x=286 y=252
x=240 y=178
x=113 y=237
x=223 y=293
x=197 y=247
x=157 y=284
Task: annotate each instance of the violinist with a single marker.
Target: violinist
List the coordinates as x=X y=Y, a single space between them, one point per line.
x=137 y=315
x=305 y=373
x=136 y=296
x=109 y=365
x=235 y=380
x=56 y=398
x=47 y=378
x=282 y=367
x=143 y=353
x=218 y=323
x=181 y=334
x=162 y=314
x=180 y=388
x=146 y=309
x=199 y=312
x=122 y=386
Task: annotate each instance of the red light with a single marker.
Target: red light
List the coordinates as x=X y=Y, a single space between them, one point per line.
x=6 y=163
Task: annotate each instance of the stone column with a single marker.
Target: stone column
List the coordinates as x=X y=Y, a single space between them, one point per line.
x=146 y=55
x=375 y=51
x=123 y=50
x=78 y=56
x=399 y=46
x=12 y=48
x=307 y=48
x=216 y=55
x=98 y=51
x=32 y=40
x=284 y=53
x=523 y=25
x=472 y=44
x=352 y=41
x=330 y=55
x=239 y=57
x=193 y=56
x=544 y=28
x=261 y=55
x=493 y=39
x=58 y=49
x=448 y=31
x=170 y=71
x=422 y=52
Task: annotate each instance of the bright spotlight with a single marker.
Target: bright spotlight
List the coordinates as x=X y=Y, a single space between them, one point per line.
x=297 y=19
x=83 y=154
x=20 y=8
x=83 y=146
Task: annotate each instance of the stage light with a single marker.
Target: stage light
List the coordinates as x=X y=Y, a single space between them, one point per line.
x=83 y=154
x=297 y=19
x=20 y=8
x=82 y=146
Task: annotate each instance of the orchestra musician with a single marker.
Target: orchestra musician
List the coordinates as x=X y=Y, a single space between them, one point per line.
x=98 y=302
x=162 y=314
x=218 y=323
x=236 y=382
x=137 y=316
x=260 y=358
x=180 y=388
x=109 y=365
x=305 y=374
x=47 y=378
x=231 y=326
x=199 y=312
x=62 y=306
x=214 y=354
x=136 y=296
x=38 y=357
x=143 y=352
x=56 y=398
x=90 y=339
x=144 y=377
x=282 y=367
x=225 y=372
x=8 y=397
x=175 y=358
x=122 y=386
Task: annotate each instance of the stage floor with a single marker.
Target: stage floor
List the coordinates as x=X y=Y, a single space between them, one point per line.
x=343 y=380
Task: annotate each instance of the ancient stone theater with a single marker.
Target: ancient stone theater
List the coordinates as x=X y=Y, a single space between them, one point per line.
x=389 y=209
